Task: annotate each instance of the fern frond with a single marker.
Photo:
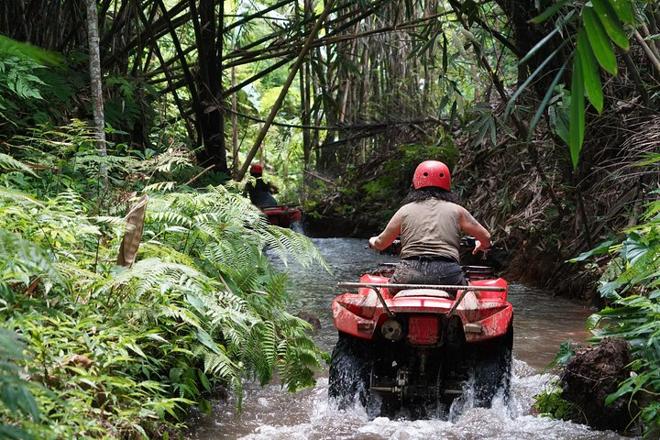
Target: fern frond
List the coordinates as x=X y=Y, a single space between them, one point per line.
x=19 y=197
x=160 y=187
x=219 y=364
x=8 y=163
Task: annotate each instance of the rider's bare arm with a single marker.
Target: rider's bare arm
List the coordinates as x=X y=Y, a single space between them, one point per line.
x=470 y=226
x=391 y=232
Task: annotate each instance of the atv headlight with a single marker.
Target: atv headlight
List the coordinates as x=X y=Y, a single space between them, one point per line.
x=392 y=330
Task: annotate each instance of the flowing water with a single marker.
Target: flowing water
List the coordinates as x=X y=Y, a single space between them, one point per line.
x=541 y=324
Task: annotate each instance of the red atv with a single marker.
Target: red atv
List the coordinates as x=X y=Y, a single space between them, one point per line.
x=282 y=215
x=422 y=347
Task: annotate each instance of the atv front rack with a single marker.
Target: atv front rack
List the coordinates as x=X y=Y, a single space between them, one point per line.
x=464 y=290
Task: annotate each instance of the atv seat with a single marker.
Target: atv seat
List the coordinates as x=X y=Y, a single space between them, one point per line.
x=435 y=293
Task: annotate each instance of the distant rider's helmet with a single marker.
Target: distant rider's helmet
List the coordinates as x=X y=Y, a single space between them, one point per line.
x=432 y=173
x=256 y=170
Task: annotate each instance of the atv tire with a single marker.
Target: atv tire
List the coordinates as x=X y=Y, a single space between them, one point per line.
x=350 y=367
x=492 y=369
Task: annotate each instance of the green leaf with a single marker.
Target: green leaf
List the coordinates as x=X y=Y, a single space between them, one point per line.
x=590 y=71
x=601 y=249
x=624 y=10
x=624 y=389
x=204 y=380
x=564 y=355
x=523 y=86
x=576 y=120
x=13 y=433
x=611 y=23
x=8 y=163
x=552 y=10
x=137 y=350
x=538 y=45
x=444 y=53
x=559 y=116
x=546 y=98
x=600 y=42
x=207 y=340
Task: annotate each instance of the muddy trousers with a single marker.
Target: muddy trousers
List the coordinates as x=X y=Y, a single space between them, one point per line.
x=429 y=271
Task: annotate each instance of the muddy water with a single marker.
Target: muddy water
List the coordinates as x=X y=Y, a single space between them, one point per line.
x=541 y=324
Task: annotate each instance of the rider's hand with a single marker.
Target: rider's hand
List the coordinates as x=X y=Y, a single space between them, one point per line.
x=478 y=247
x=372 y=242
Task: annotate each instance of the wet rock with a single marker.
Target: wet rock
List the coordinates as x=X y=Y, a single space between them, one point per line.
x=310 y=318
x=593 y=374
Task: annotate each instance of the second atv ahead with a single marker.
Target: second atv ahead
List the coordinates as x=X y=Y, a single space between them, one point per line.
x=282 y=215
x=417 y=347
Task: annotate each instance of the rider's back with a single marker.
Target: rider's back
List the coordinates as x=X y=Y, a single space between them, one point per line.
x=430 y=227
x=260 y=193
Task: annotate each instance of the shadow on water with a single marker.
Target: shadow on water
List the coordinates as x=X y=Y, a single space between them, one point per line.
x=541 y=324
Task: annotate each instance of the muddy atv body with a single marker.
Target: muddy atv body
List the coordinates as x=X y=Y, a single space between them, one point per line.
x=423 y=347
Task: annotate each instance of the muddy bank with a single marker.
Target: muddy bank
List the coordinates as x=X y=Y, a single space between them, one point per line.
x=590 y=377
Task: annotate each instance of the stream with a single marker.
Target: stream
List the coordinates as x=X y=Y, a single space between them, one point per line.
x=541 y=324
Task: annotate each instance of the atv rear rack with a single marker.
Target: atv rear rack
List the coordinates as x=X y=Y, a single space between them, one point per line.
x=424 y=286
x=464 y=290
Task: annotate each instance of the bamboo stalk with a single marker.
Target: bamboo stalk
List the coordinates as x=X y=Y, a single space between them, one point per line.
x=234 y=124
x=169 y=78
x=648 y=51
x=96 y=83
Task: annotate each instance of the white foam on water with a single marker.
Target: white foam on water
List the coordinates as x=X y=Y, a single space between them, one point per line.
x=271 y=413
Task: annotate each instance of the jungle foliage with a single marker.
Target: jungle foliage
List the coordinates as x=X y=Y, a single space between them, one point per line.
x=630 y=283
x=122 y=352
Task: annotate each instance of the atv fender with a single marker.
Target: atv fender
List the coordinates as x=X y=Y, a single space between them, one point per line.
x=492 y=326
x=348 y=321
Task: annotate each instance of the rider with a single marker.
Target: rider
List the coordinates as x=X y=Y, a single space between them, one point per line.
x=261 y=192
x=430 y=224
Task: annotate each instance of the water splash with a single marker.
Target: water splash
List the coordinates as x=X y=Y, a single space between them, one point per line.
x=271 y=413
x=298 y=227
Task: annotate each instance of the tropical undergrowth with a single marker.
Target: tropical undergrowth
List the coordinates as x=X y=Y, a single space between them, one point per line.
x=123 y=352
x=630 y=284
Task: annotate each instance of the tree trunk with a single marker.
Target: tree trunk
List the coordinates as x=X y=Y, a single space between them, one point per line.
x=95 y=81
x=212 y=123
x=305 y=95
x=234 y=124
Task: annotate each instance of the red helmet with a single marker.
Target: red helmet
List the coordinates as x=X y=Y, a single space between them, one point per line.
x=432 y=173
x=256 y=169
